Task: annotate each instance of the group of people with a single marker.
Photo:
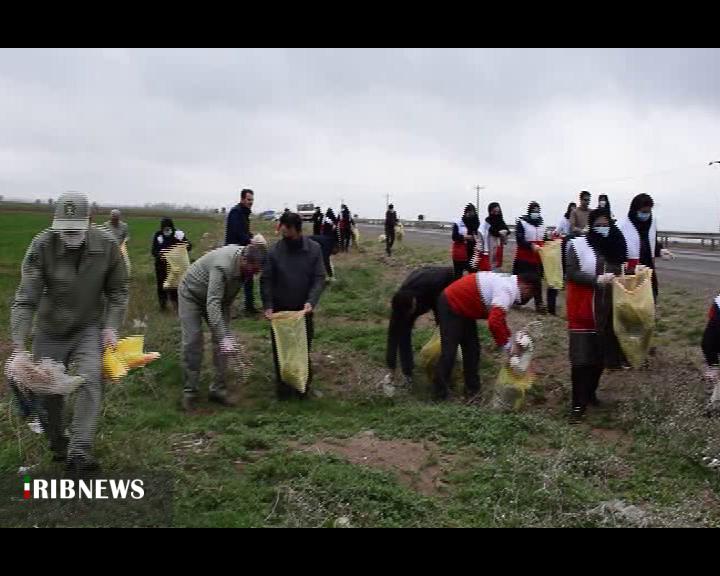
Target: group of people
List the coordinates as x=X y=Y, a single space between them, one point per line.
x=595 y=249
x=73 y=296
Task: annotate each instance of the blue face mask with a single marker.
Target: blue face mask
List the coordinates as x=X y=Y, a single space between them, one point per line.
x=644 y=216
x=602 y=230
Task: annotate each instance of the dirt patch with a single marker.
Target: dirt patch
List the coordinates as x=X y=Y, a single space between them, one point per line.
x=420 y=466
x=335 y=376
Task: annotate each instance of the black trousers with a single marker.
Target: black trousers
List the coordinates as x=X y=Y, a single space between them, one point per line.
x=552 y=295
x=460 y=266
x=400 y=339
x=285 y=391
x=163 y=294
x=585 y=381
x=389 y=241
x=249 y=288
x=345 y=237
x=456 y=331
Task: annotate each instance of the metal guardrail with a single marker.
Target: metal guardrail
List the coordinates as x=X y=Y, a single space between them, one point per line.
x=711 y=238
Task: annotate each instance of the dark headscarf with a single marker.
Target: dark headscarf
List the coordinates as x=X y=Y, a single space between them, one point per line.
x=531 y=208
x=570 y=209
x=613 y=247
x=167 y=223
x=639 y=202
x=605 y=196
x=497 y=223
x=330 y=214
x=471 y=222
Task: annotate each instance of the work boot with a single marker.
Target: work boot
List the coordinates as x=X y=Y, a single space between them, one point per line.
x=220 y=398
x=60 y=452
x=80 y=466
x=440 y=394
x=541 y=309
x=408 y=382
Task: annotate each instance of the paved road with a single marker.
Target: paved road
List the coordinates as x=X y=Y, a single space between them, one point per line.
x=692 y=268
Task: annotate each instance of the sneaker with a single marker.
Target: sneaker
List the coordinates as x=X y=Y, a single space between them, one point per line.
x=82 y=466
x=408 y=382
x=577 y=414
x=35 y=425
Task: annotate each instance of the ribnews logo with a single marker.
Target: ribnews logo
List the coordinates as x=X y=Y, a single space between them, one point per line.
x=83 y=489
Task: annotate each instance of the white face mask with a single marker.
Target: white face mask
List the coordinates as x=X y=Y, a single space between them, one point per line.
x=72 y=238
x=602 y=204
x=602 y=230
x=167 y=231
x=535 y=215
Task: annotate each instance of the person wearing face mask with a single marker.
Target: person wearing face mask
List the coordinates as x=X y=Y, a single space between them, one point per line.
x=604 y=204
x=207 y=292
x=494 y=233
x=640 y=231
x=465 y=236
x=563 y=231
x=579 y=216
x=530 y=235
x=163 y=239
x=592 y=263
x=74 y=286
x=292 y=279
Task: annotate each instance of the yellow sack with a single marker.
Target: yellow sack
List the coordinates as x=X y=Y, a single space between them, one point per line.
x=178 y=263
x=634 y=315
x=430 y=355
x=356 y=235
x=510 y=389
x=551 y=256
x=399 y=232
x=126 y=355
x=126 y=257
x=290 y=333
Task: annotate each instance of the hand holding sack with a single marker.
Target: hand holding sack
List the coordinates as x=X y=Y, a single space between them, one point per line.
x=290 y=331
x=634 y=314
x=44 y=377
x=430 y=356
x=178 y=263
x=551 y=258
x=516 y=376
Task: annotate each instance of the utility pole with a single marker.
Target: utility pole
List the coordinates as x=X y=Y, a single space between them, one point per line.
x=710 y=164
x=477 y=201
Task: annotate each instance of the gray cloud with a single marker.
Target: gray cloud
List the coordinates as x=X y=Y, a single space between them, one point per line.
x=424 y=125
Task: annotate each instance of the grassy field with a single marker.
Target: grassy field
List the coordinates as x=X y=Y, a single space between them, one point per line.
x=349 y=456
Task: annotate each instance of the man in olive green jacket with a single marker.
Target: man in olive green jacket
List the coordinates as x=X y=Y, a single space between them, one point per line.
x=75 y=285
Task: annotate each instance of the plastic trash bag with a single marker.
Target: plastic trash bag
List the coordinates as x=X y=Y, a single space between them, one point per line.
x=44 y=377
x=399 y=232
x=178 y=263
x=634 y=314
x=291 y=342
x=430 y=356
x=516 y=377
x=127 y=354
x=356 y=236
x=551 y=256
x=126 y=257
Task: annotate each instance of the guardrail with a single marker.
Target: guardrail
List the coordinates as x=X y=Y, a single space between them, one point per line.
x=705 y=238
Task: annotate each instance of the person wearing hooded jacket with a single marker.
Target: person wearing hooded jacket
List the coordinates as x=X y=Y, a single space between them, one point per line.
x=494 y=233
x=465 y=236
x=329 y=225
x=640 y=231
x=345 y=223
x=163 y=239
x=593 y=261
x=530 y=235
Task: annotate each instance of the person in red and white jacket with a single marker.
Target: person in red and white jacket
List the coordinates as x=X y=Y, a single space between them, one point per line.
x=640 y=231
x=530 y=235
x=563 y=231
x=465 y=238
x=479 y=296
x=593 y=261
x=495 y=233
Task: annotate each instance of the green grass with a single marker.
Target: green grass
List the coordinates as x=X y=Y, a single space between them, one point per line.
x=242 y=466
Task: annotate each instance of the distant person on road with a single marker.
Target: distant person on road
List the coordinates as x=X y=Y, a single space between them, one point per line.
x=237 y=231
x=478 y=296
x=530 y=235
x=579 y=216
x=494 y=233
x=163 y=239
x=116 y=227
x=640 y=231
x=417 y=295
x=206 y=292
x=593 y=261
x=293 y=279
x=391 y=221
x=317 y=220
x=465 y=236
x=345 y=228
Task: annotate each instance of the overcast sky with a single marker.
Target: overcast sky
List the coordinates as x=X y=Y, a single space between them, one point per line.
x=425 y=126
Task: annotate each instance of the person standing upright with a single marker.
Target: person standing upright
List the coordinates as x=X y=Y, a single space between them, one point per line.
x=530 y=235
x=465 y=235
x=165 y=238
x=317 y=220
x=117 y=228
x=579 y=216
x=237 y=231
x=494 y=232
x=391 y=221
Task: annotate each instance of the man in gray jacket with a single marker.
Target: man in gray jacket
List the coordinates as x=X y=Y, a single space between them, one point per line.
x=293 y=279
x=206 y=292
x=75 y=287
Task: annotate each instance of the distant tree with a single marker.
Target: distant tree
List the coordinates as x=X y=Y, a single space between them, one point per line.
x=216 y=211
x=421 y=217
x=38 y=201
x=2 y=197
x=222 y=210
